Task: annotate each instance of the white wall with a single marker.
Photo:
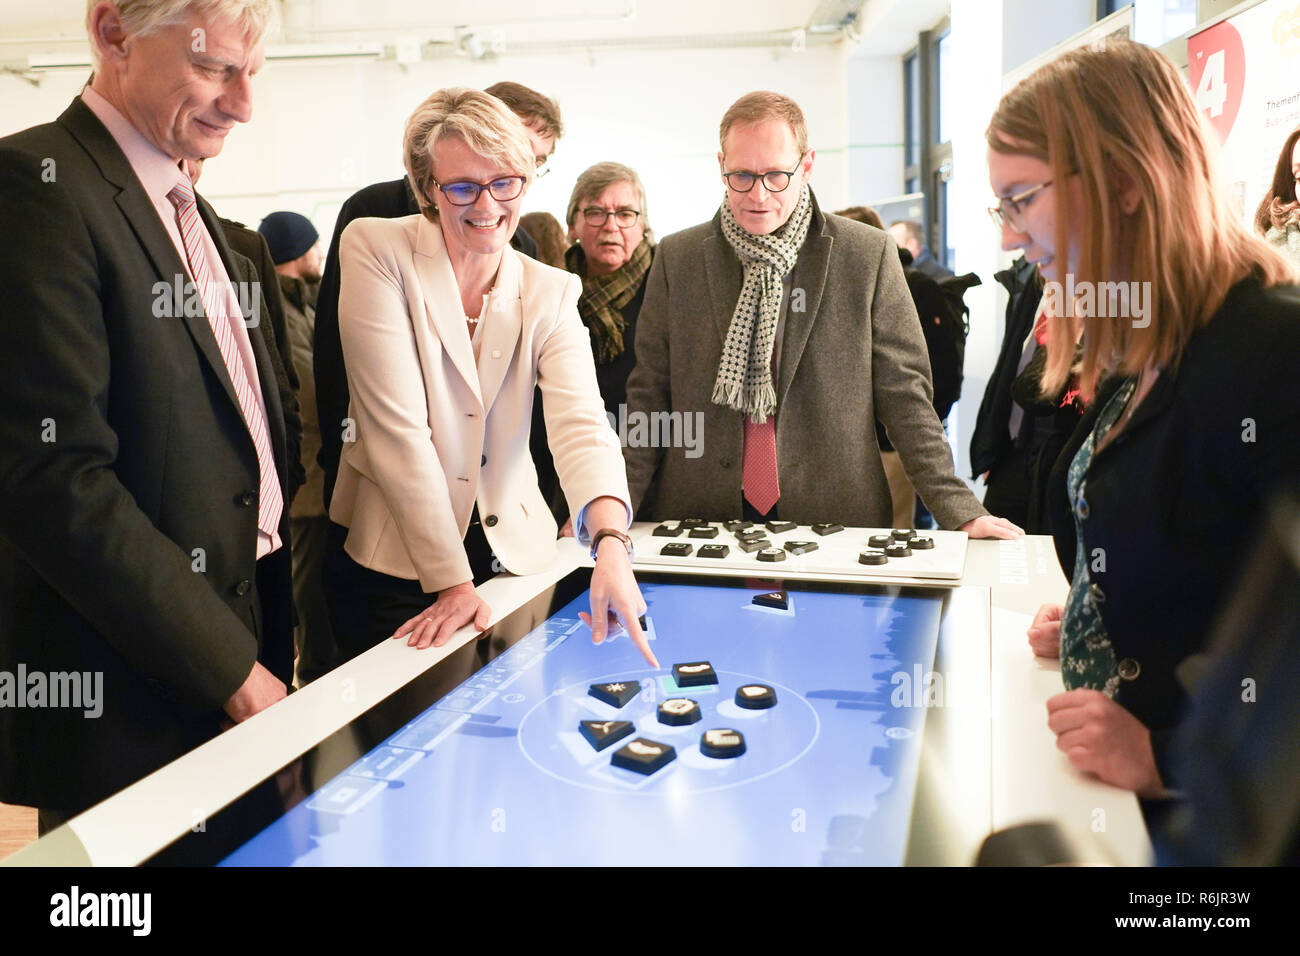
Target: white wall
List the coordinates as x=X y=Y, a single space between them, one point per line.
x=875 y=113
x=322 y=130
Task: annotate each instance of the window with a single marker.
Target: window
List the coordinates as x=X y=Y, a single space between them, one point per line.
x=927 y=147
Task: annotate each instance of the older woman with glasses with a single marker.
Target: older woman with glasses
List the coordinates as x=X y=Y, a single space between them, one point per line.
x=611 y=252
x=446 y=331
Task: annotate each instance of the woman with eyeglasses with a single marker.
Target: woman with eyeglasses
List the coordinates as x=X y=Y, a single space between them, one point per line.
x=446 y=331
x=1278 y=215
x=1105 y=175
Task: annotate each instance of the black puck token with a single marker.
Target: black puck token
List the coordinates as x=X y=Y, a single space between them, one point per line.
x=751 y=534
x=898 y=549
x=694 y=674
x=773 y=599
x=616 y=694
x=644 y=756
x=722 y=743
x=750 y=545
x=780 y=527
x=880 y=540
x=872 y=557
x=679 y=711
x=703 y=531
x=667 y=531
x=734 y=526
x=677 y=549
x=801 y=547
x=601 y=733
x=827 y=528
x=713 y=551
x=771 y=554
x=755 y=696
x=902 y=534
x=922 y=543
x=693 y=522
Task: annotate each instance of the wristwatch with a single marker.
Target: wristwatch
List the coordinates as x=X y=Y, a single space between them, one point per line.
x=610 y=533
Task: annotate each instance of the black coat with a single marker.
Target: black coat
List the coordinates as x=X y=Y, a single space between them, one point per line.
x=390 y=200
x=1175 y=503
x=151 y=460
x=991 y=440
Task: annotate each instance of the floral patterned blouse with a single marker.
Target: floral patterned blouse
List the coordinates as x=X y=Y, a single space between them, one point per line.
x=1087 y=658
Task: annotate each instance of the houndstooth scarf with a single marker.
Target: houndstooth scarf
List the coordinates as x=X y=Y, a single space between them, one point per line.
x=744 y=380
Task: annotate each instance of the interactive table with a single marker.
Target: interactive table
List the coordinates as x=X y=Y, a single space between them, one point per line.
x=863 y=722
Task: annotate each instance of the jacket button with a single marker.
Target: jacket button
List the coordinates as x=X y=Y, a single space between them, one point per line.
x=496 y=353
x=725 y=462
x=490 y=521
x=1129 y=669
x=243 y=587
x=1096 y=594
x=482 y=461
x=248 y=499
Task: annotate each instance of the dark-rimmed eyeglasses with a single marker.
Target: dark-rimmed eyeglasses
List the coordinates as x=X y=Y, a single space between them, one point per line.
x=1010 y=210
x=466 y=193
x=596 y=217
x=774 y=181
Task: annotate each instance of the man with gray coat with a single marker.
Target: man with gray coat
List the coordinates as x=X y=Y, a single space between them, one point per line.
x=787 y=332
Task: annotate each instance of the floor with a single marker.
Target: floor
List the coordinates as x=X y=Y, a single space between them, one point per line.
x=17 y=828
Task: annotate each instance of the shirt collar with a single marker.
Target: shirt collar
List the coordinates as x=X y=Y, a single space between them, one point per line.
x=157 y=171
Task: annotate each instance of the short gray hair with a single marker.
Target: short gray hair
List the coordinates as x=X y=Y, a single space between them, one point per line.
x=596 y=179
x=143 y=17
x=479 y=119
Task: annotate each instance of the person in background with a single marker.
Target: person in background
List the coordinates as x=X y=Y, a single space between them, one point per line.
x=143 y=492
x=1278 y=215
x=787 y=332
x=447 y=333
x=1104 y=170
x=911 y=236
x=549 y=236
x=391 y=200
x=295 y=248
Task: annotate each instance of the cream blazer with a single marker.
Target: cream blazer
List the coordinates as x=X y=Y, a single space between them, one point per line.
x=436 y=431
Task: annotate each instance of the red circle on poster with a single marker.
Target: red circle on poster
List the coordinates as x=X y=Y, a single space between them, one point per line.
x=1216 y=69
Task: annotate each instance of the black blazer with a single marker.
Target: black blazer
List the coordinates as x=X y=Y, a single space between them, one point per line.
x=390 y=200
x=150 y=461
x=1175 y=503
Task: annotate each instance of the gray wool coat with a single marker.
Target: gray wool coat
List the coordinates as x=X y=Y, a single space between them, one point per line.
x=854 y=352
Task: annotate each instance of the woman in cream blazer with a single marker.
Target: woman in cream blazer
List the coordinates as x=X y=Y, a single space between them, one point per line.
x=446 y=331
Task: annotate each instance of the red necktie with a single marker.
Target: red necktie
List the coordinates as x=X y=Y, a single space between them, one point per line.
x=760 y=483
x=270 y=503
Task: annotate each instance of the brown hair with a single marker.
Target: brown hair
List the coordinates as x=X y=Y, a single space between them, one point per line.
x=1280 y=204
x=1119 y=112
x=530 y=106
x=760 y=106
x=862 y=214
x=551 y=242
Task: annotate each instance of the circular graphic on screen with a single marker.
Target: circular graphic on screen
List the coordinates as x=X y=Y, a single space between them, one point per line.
x=773 y=737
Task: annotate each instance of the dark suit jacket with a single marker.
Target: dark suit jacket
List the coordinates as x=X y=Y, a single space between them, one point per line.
x=1175 y=502
x=151 y=460
x=853 y=354
x=390 y=200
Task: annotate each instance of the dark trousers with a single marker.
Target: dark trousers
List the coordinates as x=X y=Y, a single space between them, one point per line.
x=1010 y=487
x=367 y=606
x=313 y=636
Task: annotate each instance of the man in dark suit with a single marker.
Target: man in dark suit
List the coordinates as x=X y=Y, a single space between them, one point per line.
x=786 y=333
x=143 y=503
x=392 y=200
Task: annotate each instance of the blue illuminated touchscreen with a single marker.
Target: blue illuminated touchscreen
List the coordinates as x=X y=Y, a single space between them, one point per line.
x=498 y=773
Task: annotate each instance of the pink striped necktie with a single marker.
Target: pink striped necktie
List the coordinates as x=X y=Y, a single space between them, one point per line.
x=270 y=502
x=760 y=483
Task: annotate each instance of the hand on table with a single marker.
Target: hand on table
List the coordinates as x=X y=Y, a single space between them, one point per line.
x=1045 y=632
x=456 y=606
x=988 y=526
x=615 y=598
x=259 y=691
x=1101 y=737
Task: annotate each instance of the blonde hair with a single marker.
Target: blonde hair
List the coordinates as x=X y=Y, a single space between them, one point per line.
x=478 y=119
x=596 y=179
x=1120 y=113
x=143 y=17
x=759 y=107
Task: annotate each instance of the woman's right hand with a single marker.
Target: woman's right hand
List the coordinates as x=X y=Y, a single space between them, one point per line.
x=456 y=606
x=1045 y=632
